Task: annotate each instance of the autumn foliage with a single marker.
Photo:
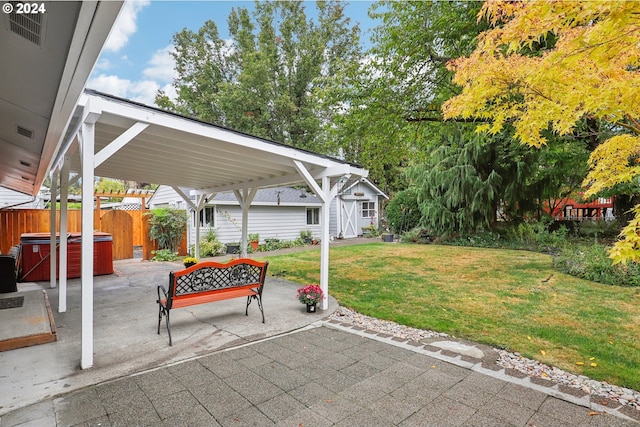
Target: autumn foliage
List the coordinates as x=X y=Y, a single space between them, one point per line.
x=545 y=66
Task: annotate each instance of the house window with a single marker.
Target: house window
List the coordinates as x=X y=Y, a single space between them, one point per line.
x=313 y=216
x=368 y=209
x=207 y=217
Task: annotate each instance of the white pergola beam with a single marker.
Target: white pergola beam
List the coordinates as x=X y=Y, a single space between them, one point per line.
x=309 y=179
x=269 y=182
x=186 y=198
x=119 y=142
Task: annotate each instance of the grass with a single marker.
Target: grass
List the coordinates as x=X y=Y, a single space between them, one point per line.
x=508 y=299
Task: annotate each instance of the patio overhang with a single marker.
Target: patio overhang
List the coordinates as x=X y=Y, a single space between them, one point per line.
x=47 y=58
x=116 y=138
x=144 y=144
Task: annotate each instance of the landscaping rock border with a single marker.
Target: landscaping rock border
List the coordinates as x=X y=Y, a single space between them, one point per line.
x=624 y=400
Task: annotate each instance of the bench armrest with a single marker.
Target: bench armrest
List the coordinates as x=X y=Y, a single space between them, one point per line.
x=164 y=294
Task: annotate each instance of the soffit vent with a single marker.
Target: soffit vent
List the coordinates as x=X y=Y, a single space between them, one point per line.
x=25 y=132
x=28 y=26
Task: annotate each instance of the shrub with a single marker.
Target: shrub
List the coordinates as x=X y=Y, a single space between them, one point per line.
x=164 y=255
x=167 y=226
x=402 y=212
x=417 y=235
x=592 y=262
x=536 y=235
x=599 y=229
x=211 y=246
x=370 y=231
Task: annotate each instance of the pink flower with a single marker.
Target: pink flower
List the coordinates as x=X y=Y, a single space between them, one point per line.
x=310 y=294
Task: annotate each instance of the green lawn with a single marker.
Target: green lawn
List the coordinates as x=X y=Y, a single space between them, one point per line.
x=508 y=299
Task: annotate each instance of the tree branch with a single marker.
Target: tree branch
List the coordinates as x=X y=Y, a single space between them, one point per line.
x=440 y=119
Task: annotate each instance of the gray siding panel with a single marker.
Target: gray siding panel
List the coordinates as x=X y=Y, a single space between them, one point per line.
x=164 y=196
x=279 y=222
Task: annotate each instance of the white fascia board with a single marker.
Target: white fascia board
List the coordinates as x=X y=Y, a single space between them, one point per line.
x=341 y=170
x=95 y=21
x=282 y=204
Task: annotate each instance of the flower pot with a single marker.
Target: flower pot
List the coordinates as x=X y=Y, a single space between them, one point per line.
x=189 y=264
x=387 y=237
x=311 y=308
x=233 y=248
x=254 y=245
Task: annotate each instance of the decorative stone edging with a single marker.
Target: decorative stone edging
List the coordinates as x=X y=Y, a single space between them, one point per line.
x=600 y=394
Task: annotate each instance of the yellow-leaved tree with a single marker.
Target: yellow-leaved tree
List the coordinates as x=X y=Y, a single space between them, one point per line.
x=546 y=65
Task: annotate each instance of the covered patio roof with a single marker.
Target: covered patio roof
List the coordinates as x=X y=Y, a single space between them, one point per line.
x=117 y=138
x=146 y=144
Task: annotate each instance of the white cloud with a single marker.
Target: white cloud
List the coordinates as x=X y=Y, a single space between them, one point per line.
x=170 y=91
x=125 y=25
x=159 y=74
x=143 y=91
x=113 y=85
x=103 y=64
x=161 y=65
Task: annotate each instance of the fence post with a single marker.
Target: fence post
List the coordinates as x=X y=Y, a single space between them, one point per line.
x=147 y=244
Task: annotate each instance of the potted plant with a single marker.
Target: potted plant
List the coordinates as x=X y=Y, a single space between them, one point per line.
x=233 y=248
x=254 y=241
x=310 y=295
x=387 y=237
x=369 y=231
x=189 y=261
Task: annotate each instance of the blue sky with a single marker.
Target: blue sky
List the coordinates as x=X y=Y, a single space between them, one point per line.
x=136 y=62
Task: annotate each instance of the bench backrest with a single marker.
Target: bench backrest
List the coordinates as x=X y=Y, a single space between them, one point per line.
x=212 y=276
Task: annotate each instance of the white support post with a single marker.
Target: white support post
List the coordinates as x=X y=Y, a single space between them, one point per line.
x=200 y=202
x=325 y=193
x=87 y=155
x=64 y=194
x=53 y=228
x=324 y=242
x=245 y=198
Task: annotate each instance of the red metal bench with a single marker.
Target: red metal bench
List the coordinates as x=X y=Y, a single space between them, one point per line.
x=212 y=281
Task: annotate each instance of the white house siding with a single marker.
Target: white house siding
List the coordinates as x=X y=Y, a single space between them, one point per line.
x=279 y=222
x=10 y=198
x=284 y=221
x=165 y=196
x=333 y=220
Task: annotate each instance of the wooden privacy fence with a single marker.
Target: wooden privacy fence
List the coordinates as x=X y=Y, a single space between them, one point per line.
x=128 y=228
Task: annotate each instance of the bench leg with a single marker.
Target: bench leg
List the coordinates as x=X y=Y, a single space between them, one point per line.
x=259 y=299
x=163 y=311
